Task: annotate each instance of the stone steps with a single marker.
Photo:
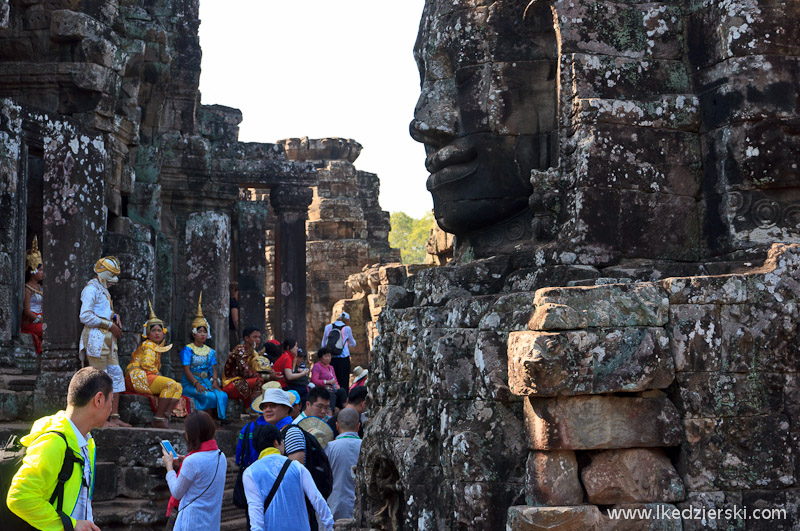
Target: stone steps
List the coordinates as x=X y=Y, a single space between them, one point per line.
x=22 y=358
x=16 y=394
x=239 y=524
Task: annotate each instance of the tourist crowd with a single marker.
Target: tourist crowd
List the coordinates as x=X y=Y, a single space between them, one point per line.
x=296 y=459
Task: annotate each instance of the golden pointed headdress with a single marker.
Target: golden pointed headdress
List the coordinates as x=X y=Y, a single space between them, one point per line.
x=34 y=256
x=199 y=320
x=107 y=263
x=152 y=321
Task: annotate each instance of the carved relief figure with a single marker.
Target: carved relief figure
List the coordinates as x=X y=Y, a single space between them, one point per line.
x=487 y=109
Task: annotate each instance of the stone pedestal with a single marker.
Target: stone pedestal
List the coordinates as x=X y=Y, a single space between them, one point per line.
x=291 y=206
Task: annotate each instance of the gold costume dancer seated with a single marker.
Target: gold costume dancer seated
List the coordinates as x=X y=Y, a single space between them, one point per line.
x=143 y=372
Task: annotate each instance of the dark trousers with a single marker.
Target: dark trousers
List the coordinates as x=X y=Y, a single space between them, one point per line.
x=341 y=366
x=338 y=398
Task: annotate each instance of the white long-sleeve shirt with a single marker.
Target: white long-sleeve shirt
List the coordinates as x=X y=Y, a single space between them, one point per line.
x=96 y=309
x=199 y=509
x=287 y=511
x=347 y=337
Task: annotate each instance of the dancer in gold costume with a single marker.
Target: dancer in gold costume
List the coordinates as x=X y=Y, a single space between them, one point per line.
x=143 y=372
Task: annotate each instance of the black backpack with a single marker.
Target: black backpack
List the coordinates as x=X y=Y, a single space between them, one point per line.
x=11 y=461
x=335 y=343
x=316 y=462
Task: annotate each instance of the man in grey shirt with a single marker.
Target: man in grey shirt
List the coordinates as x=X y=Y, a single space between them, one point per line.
x=343 y=456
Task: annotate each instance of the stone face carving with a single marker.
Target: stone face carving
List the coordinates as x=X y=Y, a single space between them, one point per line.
x=676 y=159
x=486 y=110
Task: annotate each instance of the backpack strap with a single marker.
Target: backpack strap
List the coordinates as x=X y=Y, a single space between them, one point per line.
x=248 y=430
x=277 y=483
x=67 y=468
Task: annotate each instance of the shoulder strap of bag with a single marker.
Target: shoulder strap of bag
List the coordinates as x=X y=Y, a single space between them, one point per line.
x=67 y=467
x=277 y=484
x=219 y=458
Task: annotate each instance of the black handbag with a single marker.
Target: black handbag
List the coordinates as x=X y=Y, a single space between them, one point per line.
x=239 y=498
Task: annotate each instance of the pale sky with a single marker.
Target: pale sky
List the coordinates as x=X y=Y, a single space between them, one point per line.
x=323 y=68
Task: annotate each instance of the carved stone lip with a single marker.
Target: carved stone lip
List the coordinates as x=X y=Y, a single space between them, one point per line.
x=449 y=155
x=451 y=174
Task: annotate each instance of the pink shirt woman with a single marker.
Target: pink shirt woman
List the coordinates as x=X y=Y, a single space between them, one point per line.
x=322 y=373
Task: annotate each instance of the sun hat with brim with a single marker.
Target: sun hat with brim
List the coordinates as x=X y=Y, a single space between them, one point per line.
x=318 y=428
x=255 y=405
x=359 y=373
x=296 y=396
x=272 y=396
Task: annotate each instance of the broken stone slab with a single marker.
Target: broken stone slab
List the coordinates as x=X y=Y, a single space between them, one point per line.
x=636 y=475
x=616 y=305
x=551 y=479
x=602 y=422
x=639 y=517
x=589 y=361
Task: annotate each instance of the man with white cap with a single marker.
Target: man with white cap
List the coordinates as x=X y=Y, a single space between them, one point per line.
x=276 y=406
x=338 y=337
x=102 y=328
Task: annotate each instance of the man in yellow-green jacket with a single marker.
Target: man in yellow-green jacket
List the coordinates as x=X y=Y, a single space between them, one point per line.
x=89 y=401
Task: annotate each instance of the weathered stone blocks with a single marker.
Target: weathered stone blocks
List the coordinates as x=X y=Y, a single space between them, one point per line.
x=717 y=395
x=736 y=453
x=552 y=479
x=434 y=287
x=631 y=476
x=601 y=422
x=616 y=305
x=695 y=338
x=589 y=361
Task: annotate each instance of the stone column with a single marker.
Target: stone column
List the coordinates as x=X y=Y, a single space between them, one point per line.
x=74 y=222
x=251 y=227
x=12 y=226
x=291 y=205
x=208 y=250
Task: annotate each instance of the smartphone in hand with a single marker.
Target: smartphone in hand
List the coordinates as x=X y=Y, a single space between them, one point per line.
x=166 y=445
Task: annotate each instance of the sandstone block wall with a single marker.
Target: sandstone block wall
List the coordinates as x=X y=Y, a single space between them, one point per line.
x=635 y=393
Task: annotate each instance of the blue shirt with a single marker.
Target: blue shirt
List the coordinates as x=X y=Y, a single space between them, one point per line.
x=246 y=460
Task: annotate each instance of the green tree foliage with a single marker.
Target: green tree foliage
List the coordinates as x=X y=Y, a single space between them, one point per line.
x=409 y=235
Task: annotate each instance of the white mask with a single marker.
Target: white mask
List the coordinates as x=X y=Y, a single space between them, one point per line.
x=107 y=278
